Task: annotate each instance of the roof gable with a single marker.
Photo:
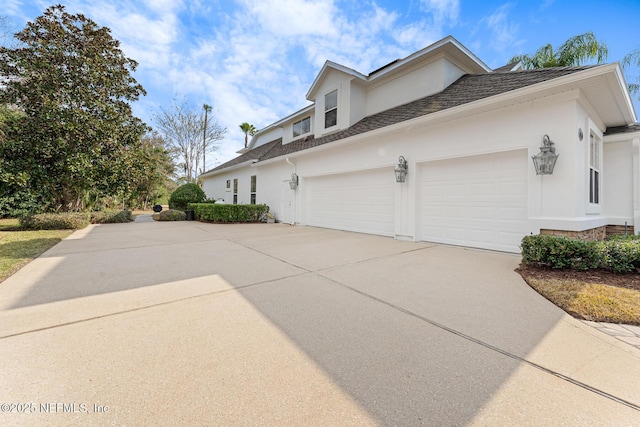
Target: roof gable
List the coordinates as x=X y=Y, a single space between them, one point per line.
x=448 y=47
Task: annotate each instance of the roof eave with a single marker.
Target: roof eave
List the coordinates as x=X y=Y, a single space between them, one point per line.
x=215 y=171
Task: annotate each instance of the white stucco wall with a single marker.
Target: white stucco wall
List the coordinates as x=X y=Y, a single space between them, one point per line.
x=268 y=136
x=215 y=187
x=618 y=188
x=420 y=81
x=272 y=181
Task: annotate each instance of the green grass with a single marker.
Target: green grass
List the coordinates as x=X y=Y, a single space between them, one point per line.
x=18 y=247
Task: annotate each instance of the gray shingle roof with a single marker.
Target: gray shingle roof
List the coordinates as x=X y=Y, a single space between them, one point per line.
x=468 y=88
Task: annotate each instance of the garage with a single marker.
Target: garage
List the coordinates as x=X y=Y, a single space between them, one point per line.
x=361 y=201
x=477 y=201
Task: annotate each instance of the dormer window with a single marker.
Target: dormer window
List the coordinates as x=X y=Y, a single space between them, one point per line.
x=302 y=127
x=331 y=109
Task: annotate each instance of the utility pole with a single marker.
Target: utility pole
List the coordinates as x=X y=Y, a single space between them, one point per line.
x=207 y=108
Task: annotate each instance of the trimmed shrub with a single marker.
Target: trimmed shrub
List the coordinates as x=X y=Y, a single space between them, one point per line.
x=172 y=215
x=55 y=221
x=229 y=213
x=620 y=255
x=185 y=194
x=111 y=217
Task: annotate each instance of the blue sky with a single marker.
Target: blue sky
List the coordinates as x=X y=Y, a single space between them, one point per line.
x=254 y=60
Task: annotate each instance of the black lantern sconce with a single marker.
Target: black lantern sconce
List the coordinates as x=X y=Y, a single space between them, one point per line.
x=545 y=160
x=401 y=169
x=294 y=181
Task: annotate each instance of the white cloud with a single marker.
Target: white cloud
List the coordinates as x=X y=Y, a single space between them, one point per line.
x=504 y=31
x=293 y=17
x=444 y=11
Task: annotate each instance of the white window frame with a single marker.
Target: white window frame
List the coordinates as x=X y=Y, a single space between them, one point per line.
x=253 y=187
x=594 y=196
x=299 y=122
x=330 y=109
x=235 y=191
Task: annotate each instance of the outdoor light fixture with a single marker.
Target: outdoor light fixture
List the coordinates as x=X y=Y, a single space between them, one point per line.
x=294 y=181
x=401 y=169
x=545 y=160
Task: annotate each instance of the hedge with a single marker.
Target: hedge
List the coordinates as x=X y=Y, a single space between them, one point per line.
x=172 y=215
x=111 y=217
x=219 y=212
x=55 y=221
x=620 y=255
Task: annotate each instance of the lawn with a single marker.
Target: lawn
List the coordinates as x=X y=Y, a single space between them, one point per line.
x=595 y=295
x=18 y=247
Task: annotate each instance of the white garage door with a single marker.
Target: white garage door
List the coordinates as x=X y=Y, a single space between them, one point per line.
x=359 y=201
x=478 y=201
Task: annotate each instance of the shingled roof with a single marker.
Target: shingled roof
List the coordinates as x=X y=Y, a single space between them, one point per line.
x=468 y=88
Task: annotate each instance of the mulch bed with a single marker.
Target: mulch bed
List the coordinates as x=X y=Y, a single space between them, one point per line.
x=629 y=281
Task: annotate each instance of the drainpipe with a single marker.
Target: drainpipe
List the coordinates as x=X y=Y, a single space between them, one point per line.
x=295 y=199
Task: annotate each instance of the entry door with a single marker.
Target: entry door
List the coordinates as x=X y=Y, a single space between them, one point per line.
x=287 y=203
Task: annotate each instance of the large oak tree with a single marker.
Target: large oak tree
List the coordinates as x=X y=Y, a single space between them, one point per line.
x=72 y=85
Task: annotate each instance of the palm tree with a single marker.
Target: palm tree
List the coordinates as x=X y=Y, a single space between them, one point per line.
x=632 y=60
x=248 y=129
x=573 y=52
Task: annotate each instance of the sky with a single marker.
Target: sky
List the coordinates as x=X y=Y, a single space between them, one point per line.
x=254 y=60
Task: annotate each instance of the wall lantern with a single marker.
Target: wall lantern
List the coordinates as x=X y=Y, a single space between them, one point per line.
x=545 y=160
x=401 y=169
x=294 y=181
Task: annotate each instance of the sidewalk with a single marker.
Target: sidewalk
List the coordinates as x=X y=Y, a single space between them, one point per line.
x=629 y=334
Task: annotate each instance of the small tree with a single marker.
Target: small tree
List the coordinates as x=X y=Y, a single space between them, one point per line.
x=632 y=62
x=183 y=127
x=248 y=129
x=185 y=194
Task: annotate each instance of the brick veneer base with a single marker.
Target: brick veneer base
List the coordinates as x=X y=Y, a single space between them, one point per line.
x=598 y=233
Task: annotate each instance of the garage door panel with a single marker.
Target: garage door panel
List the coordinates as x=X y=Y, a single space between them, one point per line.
x=362 y=201
x=478 y=201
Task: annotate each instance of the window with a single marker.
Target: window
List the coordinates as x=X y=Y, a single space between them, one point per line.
x=331 y=109
x=594 y=169
x=253 y=190
x=235 y=191
x=302 y=127
x=228 y=185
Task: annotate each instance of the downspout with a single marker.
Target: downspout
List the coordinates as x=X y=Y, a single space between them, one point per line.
x=295 y=198
x=636 y=185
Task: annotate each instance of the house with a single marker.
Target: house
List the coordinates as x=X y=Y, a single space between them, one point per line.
x=468 y=135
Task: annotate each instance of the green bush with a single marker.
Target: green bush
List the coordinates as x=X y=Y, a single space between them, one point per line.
x=620 y=255
x=111 y=217
x=172 y=215
x=229 y=213
x=55 y=221
x=185 y=194
x=19 y=203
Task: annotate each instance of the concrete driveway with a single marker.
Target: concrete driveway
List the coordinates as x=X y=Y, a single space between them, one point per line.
x=266 y=324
